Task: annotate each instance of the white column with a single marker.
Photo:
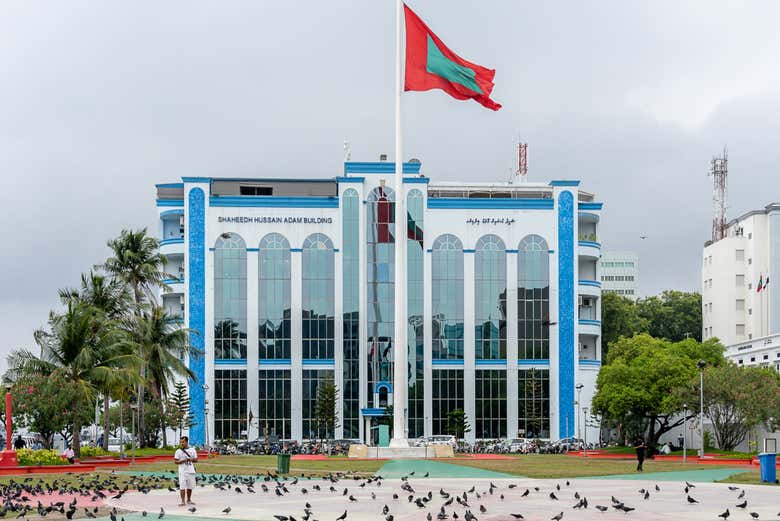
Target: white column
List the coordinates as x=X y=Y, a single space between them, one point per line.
x=469 y=389
x=362 y=327
x=338 y=334
x=554 y=317
x=296 y=347
x=428 y=347
x=252 y=338
x=511 y=345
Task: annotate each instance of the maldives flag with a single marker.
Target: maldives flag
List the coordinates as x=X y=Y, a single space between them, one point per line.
x=432 y=65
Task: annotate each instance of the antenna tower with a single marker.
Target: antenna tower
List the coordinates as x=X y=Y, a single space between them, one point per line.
x=522 y=160
x=719 y=170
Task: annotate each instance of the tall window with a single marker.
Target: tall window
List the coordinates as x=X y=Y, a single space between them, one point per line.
x=230 y=416
x=533 y=299
x=447 y=396
x=351 y=269
x=490 y=298
x=533 y=392
x=380 y=277
x=490 y=403
x=274 y=297
x=447 y=275
x=230 y=297
x=312 y=379
x=318 y=297
x=415 y=258
x=274 y=413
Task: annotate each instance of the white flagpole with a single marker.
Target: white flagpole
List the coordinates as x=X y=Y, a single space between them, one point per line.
x=400 y=322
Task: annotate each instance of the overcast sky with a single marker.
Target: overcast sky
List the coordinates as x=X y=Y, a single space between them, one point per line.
x=101 y=100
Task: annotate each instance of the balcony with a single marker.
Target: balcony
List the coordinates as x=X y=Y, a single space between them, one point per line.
x=589 y=247
x=588 y=326
x=173 y=303
x=172 y=246
x=590 y=288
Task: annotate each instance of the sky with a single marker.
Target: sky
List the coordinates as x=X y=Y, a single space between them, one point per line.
x=101 y=100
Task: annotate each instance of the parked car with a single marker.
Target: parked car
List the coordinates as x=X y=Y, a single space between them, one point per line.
x=439 y=439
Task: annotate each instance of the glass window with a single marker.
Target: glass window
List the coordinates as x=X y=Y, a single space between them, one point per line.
x=274 y=297
x=230 y=413
x=447 y=396
x=380 y=286
x=490 y=298
x=447 y=290
x=318 y=295
x=740 y=305
x=415 y=257
x=533 y=403
x=740 y=255
x=230 y=297
x=312 y=379
x=740 y=281
x=533 y=299
x=740 y=329
x=490 y=404
x=274 y=413
x=351 y=284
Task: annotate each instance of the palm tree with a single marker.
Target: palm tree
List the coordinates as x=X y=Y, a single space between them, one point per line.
x=83 y=347
x=138 y=263
x=111 y=296
x=161 y=344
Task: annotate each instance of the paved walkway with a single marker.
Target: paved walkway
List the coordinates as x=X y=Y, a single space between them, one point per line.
x=435 y=469
x=693 y=476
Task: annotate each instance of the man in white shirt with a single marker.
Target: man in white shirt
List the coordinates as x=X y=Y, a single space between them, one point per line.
x=185 y=457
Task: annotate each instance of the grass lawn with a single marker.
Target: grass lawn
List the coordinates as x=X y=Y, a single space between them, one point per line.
x=562 y=466
x=752 y=477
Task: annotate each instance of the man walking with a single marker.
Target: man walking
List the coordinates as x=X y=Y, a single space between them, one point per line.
x=185 y=457
x=640 y=447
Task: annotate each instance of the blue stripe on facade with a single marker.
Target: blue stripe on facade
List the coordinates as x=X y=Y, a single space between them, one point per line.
x=469 y=251
x=270 y=201
x=594 y=363
x=274 y=361
x=594 y=283
x=384 y=167
x=169 y=185
x=564 y=182
x=588 y=322
x=565 y=314
x=173 y=281
x=417 y=180
x=170 y=202
x=177 y=240
x=490 y=362
x=590 y=206
x=534 y=361
x=491 y=204
x=592 y=244
x=232 y=362
x=350 y=179
x=588 y=214
x=318 y=361
x=196 y=271
x=253 y=249
x=296 y=250
x=196 y=179
x=445 y=362
x=179 y=211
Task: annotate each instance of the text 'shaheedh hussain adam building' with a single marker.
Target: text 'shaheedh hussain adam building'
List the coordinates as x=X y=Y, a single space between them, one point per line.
x=289 y=283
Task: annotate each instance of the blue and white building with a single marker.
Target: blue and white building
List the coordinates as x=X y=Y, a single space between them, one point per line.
x=288 y=283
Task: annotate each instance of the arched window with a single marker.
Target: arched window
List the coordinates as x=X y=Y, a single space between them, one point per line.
x=533 y=299
x=318 y=296
x=447 y=278
x=380 y=285
x=274 y=297
x=490 y=299
x=230 y=297
x=350 y=265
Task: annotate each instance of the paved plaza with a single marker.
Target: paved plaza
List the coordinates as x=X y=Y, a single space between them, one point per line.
x=417 y=496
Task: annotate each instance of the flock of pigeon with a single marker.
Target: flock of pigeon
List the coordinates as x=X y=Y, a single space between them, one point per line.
x=20 y=497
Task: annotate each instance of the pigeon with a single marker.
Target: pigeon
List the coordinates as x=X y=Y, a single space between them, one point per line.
x=482 y=508
x=601 y=508
x=754 y=515
x=161 y=514
x=143 y=513
x=732 y=488
x=517 y=516
x=192 y=510
x=226 y=510
x=524 y=494
x=553 y=496
x=690 y=485
x=726 y=514
x=557 y=518
x=741 y=495
x=657 y=488
x=342 y=516
x=742 y=505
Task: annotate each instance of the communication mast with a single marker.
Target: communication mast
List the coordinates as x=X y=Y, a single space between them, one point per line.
x=522 y=161
x=719 y=170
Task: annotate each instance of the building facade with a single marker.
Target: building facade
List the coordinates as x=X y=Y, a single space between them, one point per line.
x=620 y=273
x=289 y=283
x=738 y=303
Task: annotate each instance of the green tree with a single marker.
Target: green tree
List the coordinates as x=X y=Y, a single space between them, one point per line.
x=737 y=399
x=81 y=347
x=162 y=346
x=179 y=407
x=647 y=380
x=111 y=297
x=457 y=423
x=138 y=263
x=619 y=318
x=325 y=409
x=673 y=315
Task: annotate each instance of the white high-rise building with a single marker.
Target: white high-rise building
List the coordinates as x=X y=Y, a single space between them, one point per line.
x=620 y=273
x=733 y=309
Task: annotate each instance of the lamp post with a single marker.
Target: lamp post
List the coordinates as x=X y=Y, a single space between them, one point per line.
x=133 y=408
x=8 y=416
x=701 y=364
x=685 y=428
x=585 y=439
x=206 y=419
x=579 y=391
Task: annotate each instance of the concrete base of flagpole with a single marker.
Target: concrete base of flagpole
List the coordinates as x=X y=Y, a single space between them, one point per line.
x=399 y=443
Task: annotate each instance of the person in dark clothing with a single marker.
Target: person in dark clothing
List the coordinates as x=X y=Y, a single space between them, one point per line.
x=19 y=443
x=640 y=447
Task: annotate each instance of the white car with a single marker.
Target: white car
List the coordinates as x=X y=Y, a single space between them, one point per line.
x=439 y=439
x=516 y=445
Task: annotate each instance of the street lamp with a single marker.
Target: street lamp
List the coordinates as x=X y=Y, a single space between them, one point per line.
x=585 y=439
x=701 y=364
x=8 y=415
x=579 y=391
x=133 y=408
x=685 y=428
x=206 y=419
